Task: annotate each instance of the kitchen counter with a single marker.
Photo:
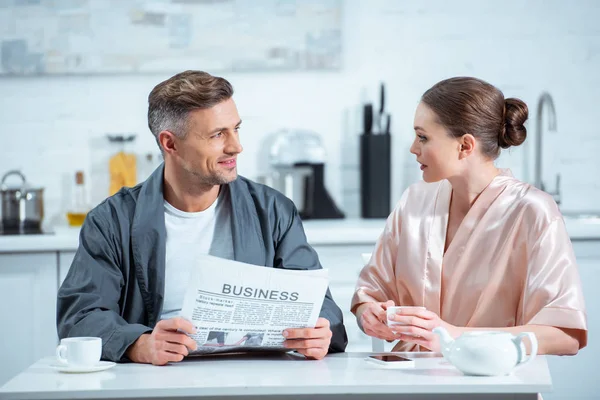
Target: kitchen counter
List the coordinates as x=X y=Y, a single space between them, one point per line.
x=318 y=232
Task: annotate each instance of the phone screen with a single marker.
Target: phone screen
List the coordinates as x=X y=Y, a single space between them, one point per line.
x=389 y=358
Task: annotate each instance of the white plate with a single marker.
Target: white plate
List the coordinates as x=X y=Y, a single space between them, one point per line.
x=100 y=366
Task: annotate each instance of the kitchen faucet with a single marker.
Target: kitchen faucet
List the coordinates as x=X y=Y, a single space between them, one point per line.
x=544 y=99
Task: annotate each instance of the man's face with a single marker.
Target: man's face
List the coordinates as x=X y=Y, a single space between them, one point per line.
x=209 y=151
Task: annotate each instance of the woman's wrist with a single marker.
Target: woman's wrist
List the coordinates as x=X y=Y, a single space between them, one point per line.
x=359 y=312
x=455 y=331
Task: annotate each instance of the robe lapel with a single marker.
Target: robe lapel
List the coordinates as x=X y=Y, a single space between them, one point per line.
x=437 y=261
x=248 y=245
x=435 y=248
x=456 y=271
x=476 y=213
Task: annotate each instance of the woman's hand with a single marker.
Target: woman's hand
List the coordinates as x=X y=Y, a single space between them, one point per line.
x=418 y=324
x=372 y=319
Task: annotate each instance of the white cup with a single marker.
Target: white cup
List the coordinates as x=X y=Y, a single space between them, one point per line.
x=79 y=351
x=394 y=310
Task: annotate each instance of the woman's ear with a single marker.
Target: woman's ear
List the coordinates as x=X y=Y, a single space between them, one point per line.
x=467 y=146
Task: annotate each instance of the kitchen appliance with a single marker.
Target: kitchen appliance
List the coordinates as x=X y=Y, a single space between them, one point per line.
x=22 y=206
x=297 y=169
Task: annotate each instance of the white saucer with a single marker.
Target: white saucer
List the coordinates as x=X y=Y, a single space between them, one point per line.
x=72 y=369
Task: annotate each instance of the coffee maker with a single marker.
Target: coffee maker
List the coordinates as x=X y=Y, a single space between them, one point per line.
x=297 y=169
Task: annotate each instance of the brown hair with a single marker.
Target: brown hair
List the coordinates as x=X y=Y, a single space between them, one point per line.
x=170 y=101
x=469 y=105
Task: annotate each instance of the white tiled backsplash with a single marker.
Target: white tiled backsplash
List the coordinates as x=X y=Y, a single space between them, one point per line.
x=52 y=126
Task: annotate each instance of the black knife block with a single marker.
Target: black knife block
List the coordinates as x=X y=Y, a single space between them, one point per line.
x=375 y=175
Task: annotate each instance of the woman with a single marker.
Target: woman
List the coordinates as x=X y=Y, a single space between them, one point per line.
x=473 y=245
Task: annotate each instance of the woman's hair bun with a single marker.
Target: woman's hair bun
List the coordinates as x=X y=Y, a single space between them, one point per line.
x=514 y=131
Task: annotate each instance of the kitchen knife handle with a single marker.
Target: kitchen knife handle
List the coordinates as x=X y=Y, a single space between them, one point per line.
x=368 y=118
x=388 y=124
x=382 y=99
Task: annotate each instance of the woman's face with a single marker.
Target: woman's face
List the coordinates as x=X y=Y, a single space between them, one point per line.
x=436 y=150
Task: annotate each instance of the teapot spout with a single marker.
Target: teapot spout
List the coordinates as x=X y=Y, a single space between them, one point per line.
x=445 y=338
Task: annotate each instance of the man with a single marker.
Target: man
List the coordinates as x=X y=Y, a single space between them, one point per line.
x=128 y=278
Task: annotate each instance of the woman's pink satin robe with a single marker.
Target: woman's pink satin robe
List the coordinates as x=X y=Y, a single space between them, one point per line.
x=510 y=262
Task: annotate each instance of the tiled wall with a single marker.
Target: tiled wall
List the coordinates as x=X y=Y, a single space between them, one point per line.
x=51 y=126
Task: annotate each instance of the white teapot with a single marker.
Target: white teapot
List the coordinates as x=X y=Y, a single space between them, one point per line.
x=486 y=352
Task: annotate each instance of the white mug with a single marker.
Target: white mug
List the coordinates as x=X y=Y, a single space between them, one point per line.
x=394 y=310
x=79 y=351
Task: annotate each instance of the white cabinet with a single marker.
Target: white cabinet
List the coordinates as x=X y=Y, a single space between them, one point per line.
x=344 y=263
x=576 y=377
x=65 y=259
x=587 y=250
x=28 y=309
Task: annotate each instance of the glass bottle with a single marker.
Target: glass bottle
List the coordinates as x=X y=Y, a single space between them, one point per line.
x=79 y=206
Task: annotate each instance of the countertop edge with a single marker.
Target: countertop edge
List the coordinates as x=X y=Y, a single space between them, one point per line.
x=318 y=233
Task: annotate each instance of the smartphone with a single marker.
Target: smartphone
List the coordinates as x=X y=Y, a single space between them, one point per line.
x=391 y=361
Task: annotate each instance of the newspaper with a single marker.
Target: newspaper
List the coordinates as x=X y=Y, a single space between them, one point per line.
x=239 y=307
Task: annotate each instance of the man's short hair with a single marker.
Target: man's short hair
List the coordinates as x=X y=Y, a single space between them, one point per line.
x=170 y=102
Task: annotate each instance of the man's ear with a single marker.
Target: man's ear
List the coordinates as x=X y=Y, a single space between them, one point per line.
x=467 y=146
x=167 y=141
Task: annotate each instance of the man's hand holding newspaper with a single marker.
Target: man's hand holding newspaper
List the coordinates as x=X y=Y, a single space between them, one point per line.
x=231 y=306
x=168 y=342
x=311 y=342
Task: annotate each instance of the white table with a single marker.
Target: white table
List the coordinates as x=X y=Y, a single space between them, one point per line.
x=338 y=376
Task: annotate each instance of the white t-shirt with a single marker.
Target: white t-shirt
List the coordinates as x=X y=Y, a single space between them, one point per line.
x=190 y=235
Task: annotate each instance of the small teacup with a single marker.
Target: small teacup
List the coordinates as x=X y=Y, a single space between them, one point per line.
x=79 y=351
x=394 y=310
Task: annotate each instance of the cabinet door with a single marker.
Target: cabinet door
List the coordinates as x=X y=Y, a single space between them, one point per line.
x=344 y=263
x=573 y=377
x=28 y=310
x=357 y=340
x=587 y=250
x=65 y=258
